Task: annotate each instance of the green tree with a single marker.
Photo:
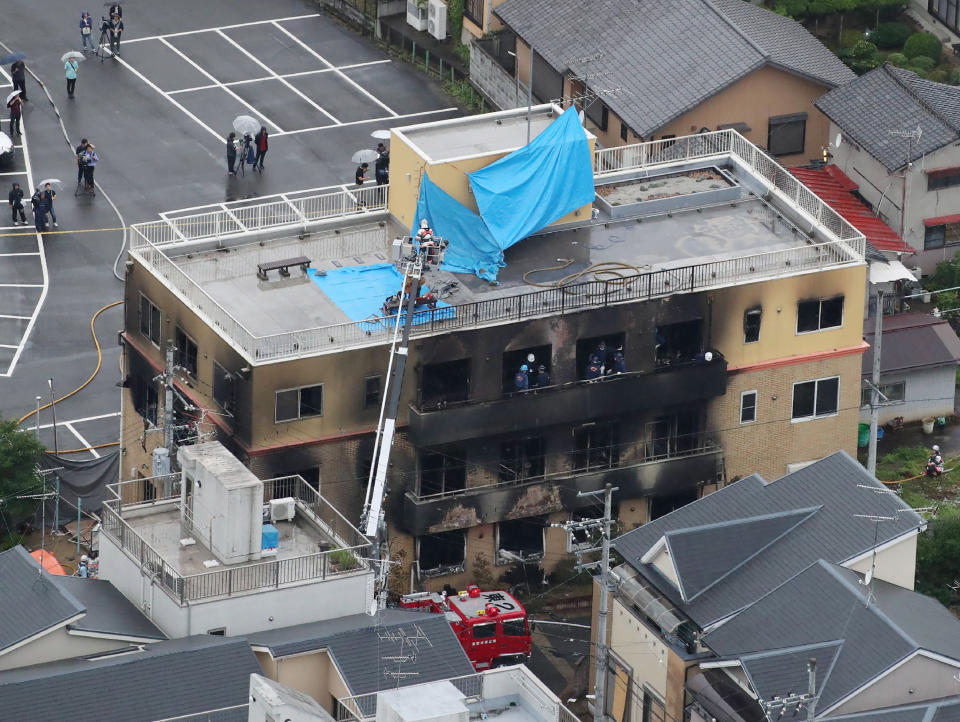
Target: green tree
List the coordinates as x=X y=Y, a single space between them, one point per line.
x=937 y=554
x=19 y=454
x=879 y=5
x=925 y=44
x=791 y=8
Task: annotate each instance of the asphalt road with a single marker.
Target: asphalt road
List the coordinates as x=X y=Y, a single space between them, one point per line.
x=158 y=117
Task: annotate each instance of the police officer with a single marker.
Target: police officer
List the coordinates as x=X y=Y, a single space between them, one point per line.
x=521 y=380
x=594 y=368
x=619 y=364
x=542 y=379
x=382 y=165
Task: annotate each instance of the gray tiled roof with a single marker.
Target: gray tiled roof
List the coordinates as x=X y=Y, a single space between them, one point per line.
x=667 y=56
x=108 y=611
x=826 y=604
x=832 y=532
x=359 y=644
x=890 y=99
x=167 y=679
x=912 y=341
x=785 y=671
x=30 y=603
x=947 y=710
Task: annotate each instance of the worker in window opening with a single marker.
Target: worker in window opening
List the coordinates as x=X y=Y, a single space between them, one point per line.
x=594 y=368
x=619 y=365
x=521 y=380
x=704 y=358
x=542 y=379
x=82 y=570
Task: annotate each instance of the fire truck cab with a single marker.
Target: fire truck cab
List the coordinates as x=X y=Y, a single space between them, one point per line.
x=491 y=626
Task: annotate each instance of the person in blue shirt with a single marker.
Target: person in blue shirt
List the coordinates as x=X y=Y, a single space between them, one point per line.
x=521 y=380
x=70 y=67
x=542 y=379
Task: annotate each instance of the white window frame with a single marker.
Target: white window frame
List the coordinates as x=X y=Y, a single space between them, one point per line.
x=299 y=416
x=816 y=387
x=819 y=329
x=148 y=335
x=756 y=398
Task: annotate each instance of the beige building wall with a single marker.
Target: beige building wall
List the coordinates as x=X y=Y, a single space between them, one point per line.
x=918 y=680
x=55 y=645
x=312 y=673
x=896 y=564
x=488 y=22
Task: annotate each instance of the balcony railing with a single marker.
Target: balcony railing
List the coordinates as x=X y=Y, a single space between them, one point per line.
x=150 y=243
x=345 y=558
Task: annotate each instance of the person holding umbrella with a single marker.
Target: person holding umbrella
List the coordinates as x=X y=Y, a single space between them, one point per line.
x=70 y=65
x=48 y=195
x=18 y=74
x=15 y=103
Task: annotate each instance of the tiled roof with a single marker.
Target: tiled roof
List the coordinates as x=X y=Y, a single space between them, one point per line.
x=912 y=341
x=108 y=611
x=666 y=56
x=872 y=109
x=834 y=187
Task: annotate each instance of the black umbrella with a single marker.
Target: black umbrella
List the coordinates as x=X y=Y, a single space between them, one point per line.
x=12 y=58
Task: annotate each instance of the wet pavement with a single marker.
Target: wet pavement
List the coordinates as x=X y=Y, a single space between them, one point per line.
x=158 y=117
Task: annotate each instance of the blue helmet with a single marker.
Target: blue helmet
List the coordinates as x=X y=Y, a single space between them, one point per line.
x=524 y=368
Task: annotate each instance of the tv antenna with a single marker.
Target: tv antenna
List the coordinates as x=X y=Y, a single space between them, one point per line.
x=404 y=638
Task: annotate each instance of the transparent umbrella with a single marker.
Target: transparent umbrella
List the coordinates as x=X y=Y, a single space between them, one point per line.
x=72 y=54
x=246 y=124
x=12 y=95
x=55 y=182
x=364 y=156
x=381 y=134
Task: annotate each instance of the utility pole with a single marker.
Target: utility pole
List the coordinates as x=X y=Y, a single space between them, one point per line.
x=168 y=399
x=796 y=701
x=599 y=684
x=912 y=136
x=53 y=408
x=37 y=423
x=875 y=385
x=529 y=93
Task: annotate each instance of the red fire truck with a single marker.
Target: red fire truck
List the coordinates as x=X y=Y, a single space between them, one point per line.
x=491 y=626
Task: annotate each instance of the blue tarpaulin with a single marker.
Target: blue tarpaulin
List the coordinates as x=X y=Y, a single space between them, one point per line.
x=534 y=186
x=359 y=291
x=472 y=248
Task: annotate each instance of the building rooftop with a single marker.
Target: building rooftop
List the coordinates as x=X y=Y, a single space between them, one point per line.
x=734 y=546
x=912 y=341
x=720 y=207
x=109 y=613
x=474 y=135
x=666 y=39
x=887 y=100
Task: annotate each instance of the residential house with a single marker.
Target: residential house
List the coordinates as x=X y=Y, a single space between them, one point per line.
x=222 y=552
x=696 y=569
x=173 y=678
x=48 y=617
x=662 y=69
x=946 y=12
x=897 y=136
x=737 y=297
x=361 y=654
x=876 y=646
x=919 y=354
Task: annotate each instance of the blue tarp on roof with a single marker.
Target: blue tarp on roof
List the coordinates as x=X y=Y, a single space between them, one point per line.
x=359 y=291
x=472 y=248
x=534 y=186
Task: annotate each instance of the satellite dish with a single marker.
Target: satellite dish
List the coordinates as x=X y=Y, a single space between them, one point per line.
x=837 y=141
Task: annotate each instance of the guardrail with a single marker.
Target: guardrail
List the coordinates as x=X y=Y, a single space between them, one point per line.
x=226 y=582
x=151 y=241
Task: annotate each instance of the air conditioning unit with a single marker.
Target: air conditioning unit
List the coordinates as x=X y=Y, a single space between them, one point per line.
x=437 y=19
x=416 y=15
x=283 y=509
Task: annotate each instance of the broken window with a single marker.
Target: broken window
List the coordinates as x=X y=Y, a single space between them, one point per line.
x=222 y=387
x=145 y=399
x=596 y=447
x=520 y=540
x=530 y=357
x=445 y=382
x=443 y=471
x=521 y=459
x=150 y=320
x=186 y=352
x=660 y=505
x=600 y=349
x=371 y=391
x=751 y=324
x=677 y=342
x=441 y=553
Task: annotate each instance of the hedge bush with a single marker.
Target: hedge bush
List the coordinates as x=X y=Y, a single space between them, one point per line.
x=924 y=44
x=938 y=76
x=955 y=77
x=921 y=65
x=898 y=59
x=890 y=35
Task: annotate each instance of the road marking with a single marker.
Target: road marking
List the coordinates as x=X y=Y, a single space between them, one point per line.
x=236 y=97
x=326 y=62
x=255 y=59
x=25 y=285
x=222 y=27
x=279 y=75
x=15 y=172
x=81 y=421
x=32 y=253
x=85 y=444
x=183 y=110
x=368 y=120
x=19 y=318
x=6 y=345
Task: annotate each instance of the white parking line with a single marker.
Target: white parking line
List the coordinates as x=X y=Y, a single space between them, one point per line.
x=275 y=76
x=14 y=172
x=368 y=120
x=26 y=285
x=6 y=345
x=222 y=27
x=326 y=62
x=85 y=444
x=80 y=421
x=19 y=318
x=225 y=89
x=279 y=75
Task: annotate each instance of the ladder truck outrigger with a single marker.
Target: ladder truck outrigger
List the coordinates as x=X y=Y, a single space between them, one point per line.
x=491 y=626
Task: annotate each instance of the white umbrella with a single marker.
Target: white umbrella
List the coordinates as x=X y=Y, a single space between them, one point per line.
x=365 y=156
x=12 y=95
x=380 y=134
x=246 y=124
x=72 y=54
x=55 y=182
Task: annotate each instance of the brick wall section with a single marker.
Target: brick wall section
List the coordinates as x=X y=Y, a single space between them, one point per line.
x=773 y=441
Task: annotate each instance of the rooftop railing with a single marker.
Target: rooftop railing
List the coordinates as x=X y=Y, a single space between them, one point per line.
x=345 y=556
x=151 y=243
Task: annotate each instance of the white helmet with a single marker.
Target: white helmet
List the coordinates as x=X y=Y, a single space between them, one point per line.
x=708 y=356
x=423 y=223
x=84 y=558
x=936 y=448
